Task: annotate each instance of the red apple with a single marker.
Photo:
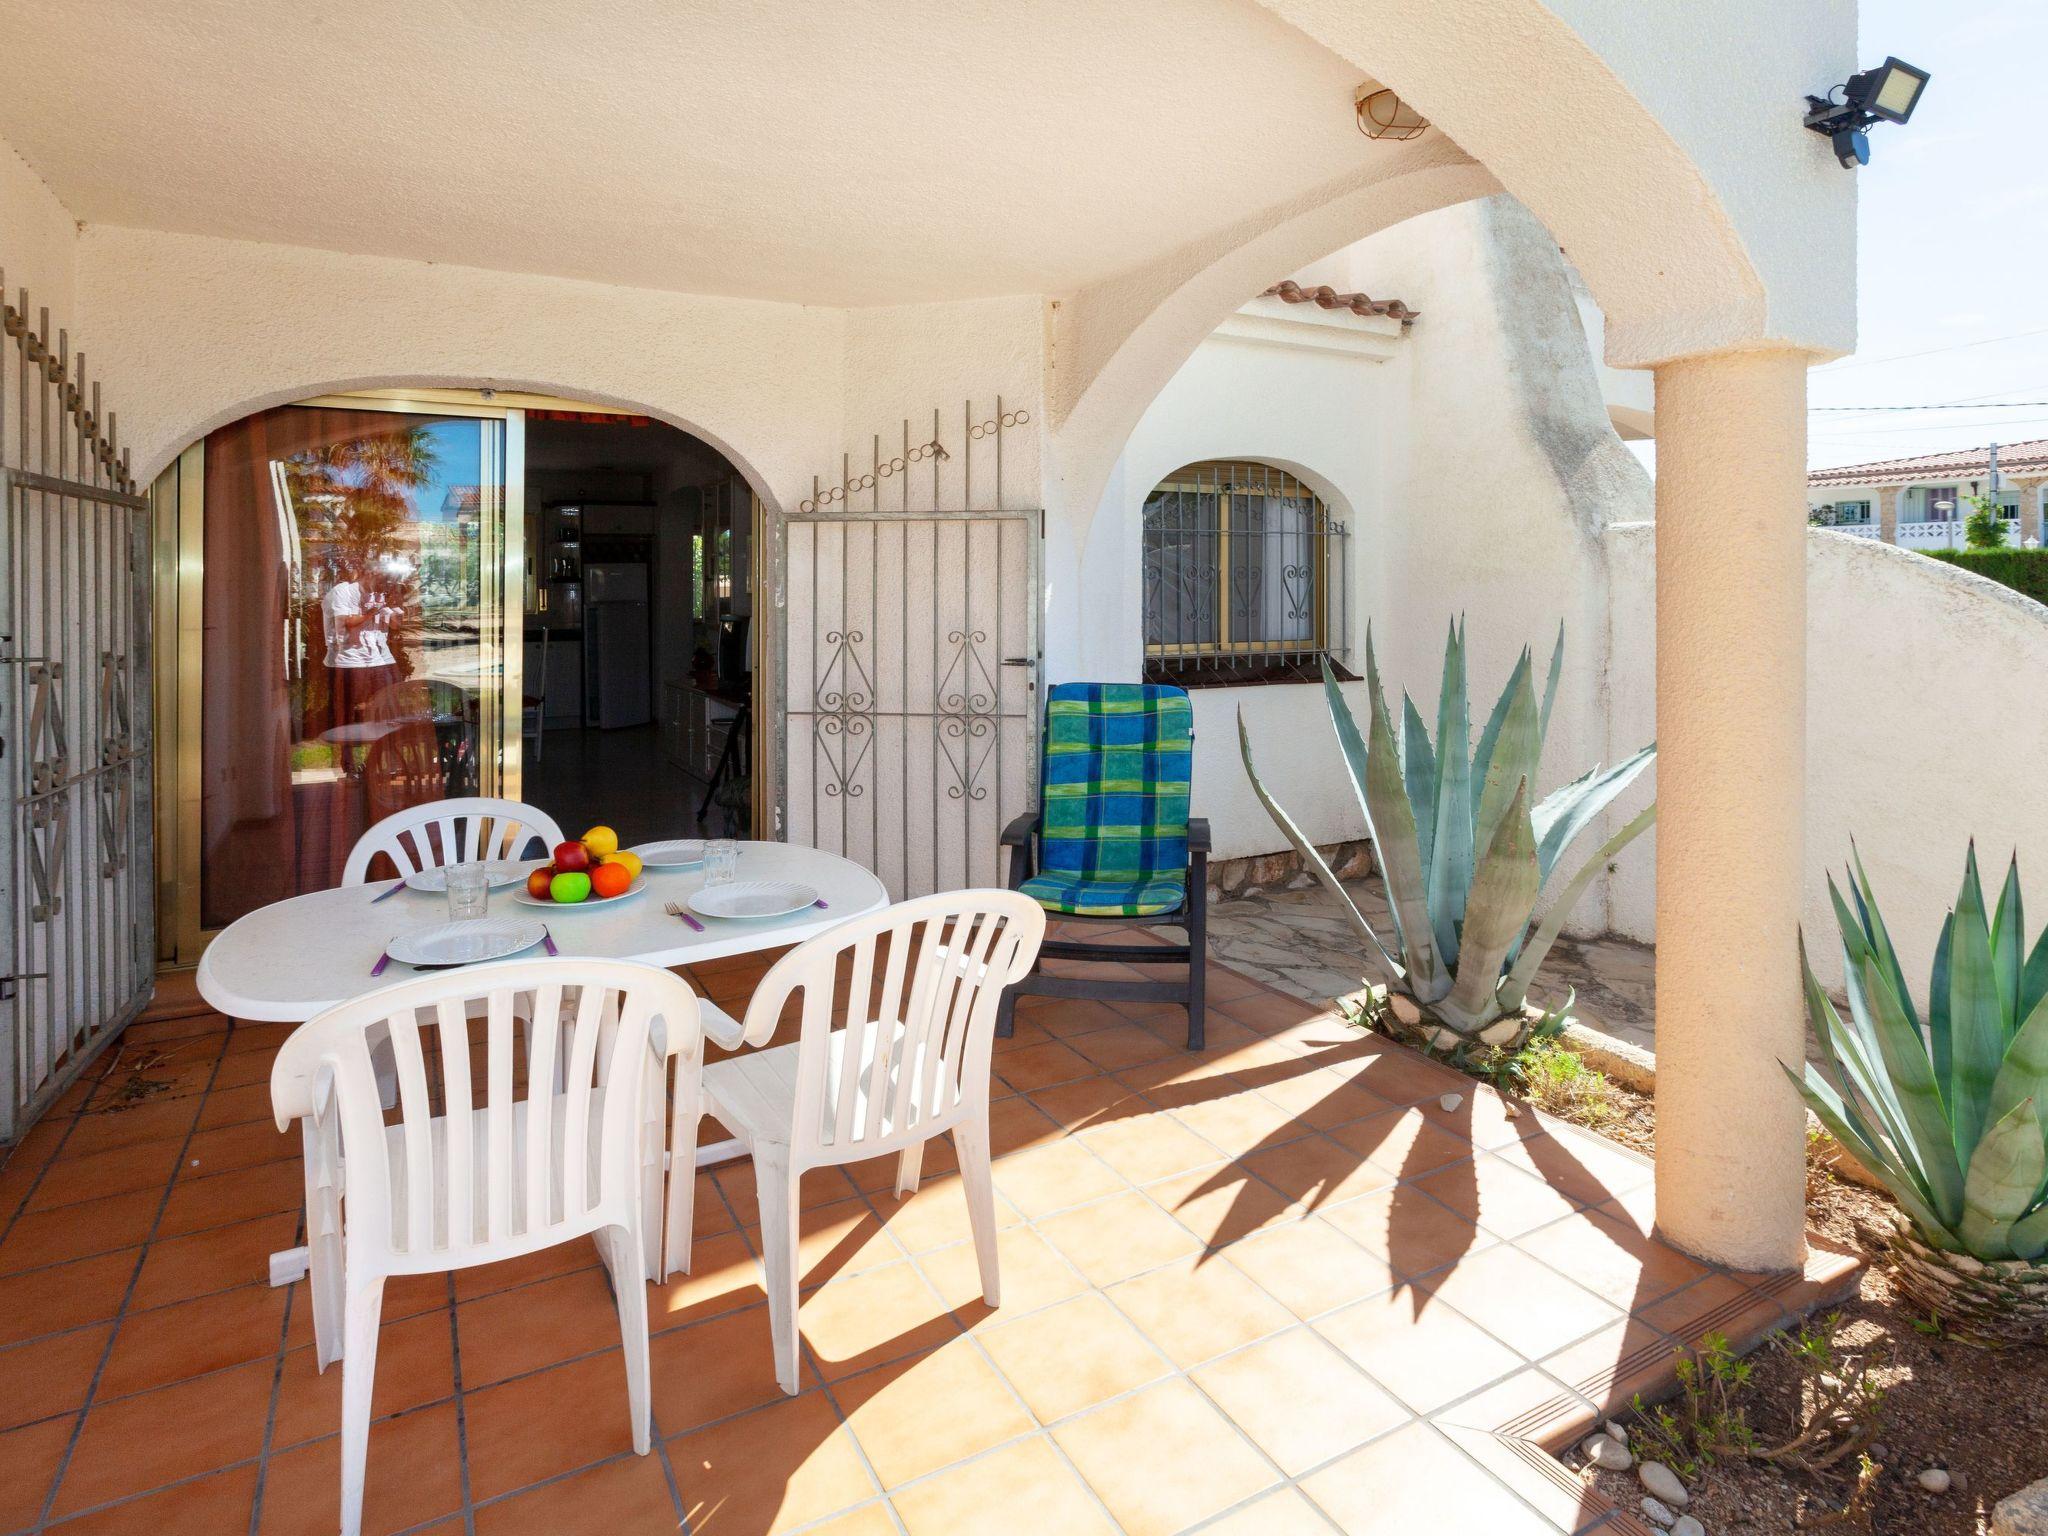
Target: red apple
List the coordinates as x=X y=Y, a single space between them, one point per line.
x=571 y=858
x=540 y=882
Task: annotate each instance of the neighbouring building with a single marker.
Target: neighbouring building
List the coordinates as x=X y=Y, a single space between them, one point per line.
x=1921 y=502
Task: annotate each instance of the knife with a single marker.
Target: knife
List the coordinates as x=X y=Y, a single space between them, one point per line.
x=547 y=941
x=382 y=960
x=388 y=894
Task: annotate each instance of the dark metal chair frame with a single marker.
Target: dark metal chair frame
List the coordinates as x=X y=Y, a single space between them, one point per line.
x=1021 y=838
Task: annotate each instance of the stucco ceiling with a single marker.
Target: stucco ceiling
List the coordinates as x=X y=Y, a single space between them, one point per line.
x=851 y=152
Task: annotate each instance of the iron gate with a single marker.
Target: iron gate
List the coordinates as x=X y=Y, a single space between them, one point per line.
x=906 y=664
x=77 y=907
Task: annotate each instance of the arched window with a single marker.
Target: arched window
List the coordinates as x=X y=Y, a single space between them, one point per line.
x=1244 y=571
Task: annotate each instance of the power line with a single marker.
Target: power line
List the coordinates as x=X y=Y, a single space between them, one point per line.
x=1899 y=357
x=1995 y=405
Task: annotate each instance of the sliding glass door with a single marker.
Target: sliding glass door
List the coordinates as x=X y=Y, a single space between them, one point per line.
x=346 y=647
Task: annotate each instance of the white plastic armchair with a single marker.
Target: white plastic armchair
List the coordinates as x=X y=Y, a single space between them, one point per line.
x=916 y=987
x=449 y=832
x=531 y=1148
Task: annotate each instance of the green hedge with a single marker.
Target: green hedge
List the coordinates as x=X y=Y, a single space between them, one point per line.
x=2024 y=570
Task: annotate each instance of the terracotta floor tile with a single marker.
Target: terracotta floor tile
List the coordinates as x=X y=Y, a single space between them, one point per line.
x=1415 y=1233
x=619 y=1498
x=1406 y=1143
x=934 y=1216
x=854 y=1322
x=1268 y=1010
x=1242 y=1122
x=236 y=1196
x=404 y=1296
x=1067 y=1016
x=178 y=1268
x=715 y=1369
x=1415 y=1480
x=1016 y=1123
x=1577 y=1165
x=1284 y=1512
x=1501 y=1198
x=818 y=1186
x=415 y=1366
x=1023 y=1487
x=1053 y=1177
x=1609 y=1367
x=241 y=1068
x=1198 y=1308
x=724 y=1276
x=772 y=1470
x=49 y=1375
x=1121 y=1046
x=219 y=1501
x=1150 y=1147
x=1531 y=1308
x=1426 y=1359
x=1403 y=1077
x=1072 y=1356
x=79 y=1231
x=537 y=1426
x=146 y=1165
x=1043 y=1066
x=1163 y=1459
x=161 y=1120
x=1319 y=1098
x=413 y=1474
x=1034 y=1276
x=842 y=1237
x=228 y=1147
x=892 y=1412
x=560 y=1259
x=1311 y=1267
x=1223 y=1203
x=1091 y=1101
x=28 y=1462
x=142 y=1442
x=1316 y=1171
x=869 y=1520
x=1607 y=1255
x=876 y=1175
x=1298 y=1399
x=64 y=1296
x=1717 y=1304
x=246 y=1036
x=1122 y=1235
x=190 y=1338
x=235 y=1106
x=511 y=1332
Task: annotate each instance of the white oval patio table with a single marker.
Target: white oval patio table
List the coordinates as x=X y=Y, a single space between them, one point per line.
x=294 y=958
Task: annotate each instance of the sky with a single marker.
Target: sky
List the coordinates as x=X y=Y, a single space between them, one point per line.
x=1952 y=225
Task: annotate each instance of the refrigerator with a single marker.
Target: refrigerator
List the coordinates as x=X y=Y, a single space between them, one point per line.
x=618 y=679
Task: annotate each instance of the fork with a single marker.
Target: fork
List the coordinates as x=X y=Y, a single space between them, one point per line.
x=675 y=911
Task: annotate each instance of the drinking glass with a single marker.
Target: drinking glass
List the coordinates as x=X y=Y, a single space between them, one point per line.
x=721 y=861
x=468 y=892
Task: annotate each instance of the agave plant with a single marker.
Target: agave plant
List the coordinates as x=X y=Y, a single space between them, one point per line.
x=1945 y=1106
x=1463 y=845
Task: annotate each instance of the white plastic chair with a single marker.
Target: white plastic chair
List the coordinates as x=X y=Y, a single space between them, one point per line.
x=513 y=1164
x=449 y=832
x=911 y=1062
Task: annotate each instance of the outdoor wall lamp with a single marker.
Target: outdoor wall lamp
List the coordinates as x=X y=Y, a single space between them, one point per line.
x=1887 y=94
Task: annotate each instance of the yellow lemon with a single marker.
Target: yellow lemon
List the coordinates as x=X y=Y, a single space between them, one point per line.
x=630 y=862
x=601 y=841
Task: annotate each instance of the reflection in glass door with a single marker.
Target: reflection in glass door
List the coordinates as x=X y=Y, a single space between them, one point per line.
x=353 y=659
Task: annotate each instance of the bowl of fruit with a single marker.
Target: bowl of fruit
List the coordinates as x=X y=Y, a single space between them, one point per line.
x=592 y=871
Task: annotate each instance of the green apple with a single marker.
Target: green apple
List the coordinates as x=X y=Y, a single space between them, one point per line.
x=570 y=886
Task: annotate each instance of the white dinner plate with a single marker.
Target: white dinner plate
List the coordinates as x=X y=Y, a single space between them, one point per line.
x=753 y=898
x=483 y=938
x=525 y=899
x=676 y=853
x=497 y=873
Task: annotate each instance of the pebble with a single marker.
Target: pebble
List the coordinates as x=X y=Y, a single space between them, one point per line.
x=1657 y=1513
x=1880 y=1453
x=1607 y=1452
x=1688 y=1525
x=1615 y=1432
x=1934 y=1480
x=1451 y=1101
x=1664 y=1483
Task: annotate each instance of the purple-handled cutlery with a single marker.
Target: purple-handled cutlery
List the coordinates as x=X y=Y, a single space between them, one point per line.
x=387 y=895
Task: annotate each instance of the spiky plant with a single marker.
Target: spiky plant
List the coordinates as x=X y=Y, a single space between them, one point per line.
x=1945 y=1106
x=1463 y=846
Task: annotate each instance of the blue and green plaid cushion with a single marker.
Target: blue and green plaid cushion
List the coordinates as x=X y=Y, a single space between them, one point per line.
x=1114 y=833
x=1108 y=898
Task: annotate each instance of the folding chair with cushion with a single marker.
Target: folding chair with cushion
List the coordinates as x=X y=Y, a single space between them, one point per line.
x=1115 y=843
x=529 y=1149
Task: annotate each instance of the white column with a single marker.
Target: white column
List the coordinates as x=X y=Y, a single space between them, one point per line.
x=1731 y=769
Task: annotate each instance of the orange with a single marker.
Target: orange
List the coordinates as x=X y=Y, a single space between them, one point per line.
x=600 y=841
x=630 y=862
x=609 y=879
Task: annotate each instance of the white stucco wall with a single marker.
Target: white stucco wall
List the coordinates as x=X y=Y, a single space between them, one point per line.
x=38 y=252
x=1918 y=734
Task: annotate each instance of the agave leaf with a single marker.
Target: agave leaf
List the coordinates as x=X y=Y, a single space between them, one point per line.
x=1514 y=755
x=1880 y=938
x=1418 y=773
x=1910 y=1078
x=1482 y=758
x=1846 y=1126
x=1976 y=1024
x=1566 y=812
x=2029 y=1235
x=1940 y=1038
x=1529 y=961
x=2004 y=1175
x=1550 y=687
x=1450 y=858
x=2007 y=934
x=2024 y=1073
x=1377 y=772
x=1501 y=893
x=1313 y=859
x=1862 y=1027
x=1352 y=747
x=2034 y=978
